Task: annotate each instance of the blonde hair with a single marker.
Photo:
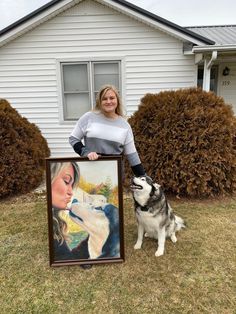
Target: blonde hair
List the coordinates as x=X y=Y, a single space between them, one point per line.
x=60 y=228
x=102 y=92
x=56 y=167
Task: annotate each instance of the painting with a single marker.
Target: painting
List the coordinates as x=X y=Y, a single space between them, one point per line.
x=85 y=210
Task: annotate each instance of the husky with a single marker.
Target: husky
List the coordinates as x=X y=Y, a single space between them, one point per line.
x=154 y=214
x=102 y=225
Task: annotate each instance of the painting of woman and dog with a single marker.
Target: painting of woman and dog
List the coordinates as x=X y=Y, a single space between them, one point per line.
x=85 y=218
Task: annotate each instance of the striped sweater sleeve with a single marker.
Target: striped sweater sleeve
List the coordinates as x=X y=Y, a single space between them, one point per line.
x=132 y=155
x=78 y=134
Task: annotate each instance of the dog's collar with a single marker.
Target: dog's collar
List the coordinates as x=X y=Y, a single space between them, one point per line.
x=144 y=208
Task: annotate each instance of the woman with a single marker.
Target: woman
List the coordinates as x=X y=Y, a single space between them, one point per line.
x=64 y=177
x=105 y=131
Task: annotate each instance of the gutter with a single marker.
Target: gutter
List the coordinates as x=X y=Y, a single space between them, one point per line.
x=218 y=48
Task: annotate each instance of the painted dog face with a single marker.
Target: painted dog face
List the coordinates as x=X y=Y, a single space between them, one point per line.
x=143 y=188
x=90 y=218
x=102 y=225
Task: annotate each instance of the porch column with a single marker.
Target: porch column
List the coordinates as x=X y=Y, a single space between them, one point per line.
x=207 y=71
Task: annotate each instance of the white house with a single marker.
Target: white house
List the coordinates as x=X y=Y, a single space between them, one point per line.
x=53 y=61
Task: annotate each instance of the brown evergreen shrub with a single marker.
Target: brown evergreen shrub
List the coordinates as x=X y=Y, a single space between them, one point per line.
x=186 y=141
x=22 y=152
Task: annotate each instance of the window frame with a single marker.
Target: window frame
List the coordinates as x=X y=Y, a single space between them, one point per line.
x=91 y=92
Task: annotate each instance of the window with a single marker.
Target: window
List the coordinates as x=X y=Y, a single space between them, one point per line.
x=81 y=81
x=213 y=79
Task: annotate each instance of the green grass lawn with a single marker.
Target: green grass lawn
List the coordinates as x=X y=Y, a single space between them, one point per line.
x=196 y=275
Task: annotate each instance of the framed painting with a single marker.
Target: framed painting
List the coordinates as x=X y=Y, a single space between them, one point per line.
x=85 y=210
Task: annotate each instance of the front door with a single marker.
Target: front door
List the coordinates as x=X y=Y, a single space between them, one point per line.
x=227 y=83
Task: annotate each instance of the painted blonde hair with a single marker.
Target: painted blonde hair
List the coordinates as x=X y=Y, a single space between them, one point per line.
x=102 y=92
x=60 y=229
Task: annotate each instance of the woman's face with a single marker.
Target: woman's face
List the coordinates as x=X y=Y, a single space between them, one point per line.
x=62 y=187
x=109 y=103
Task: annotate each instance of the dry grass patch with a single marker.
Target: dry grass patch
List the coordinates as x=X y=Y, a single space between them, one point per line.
x=196 y=275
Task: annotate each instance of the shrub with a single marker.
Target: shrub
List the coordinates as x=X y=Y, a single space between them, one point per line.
x=186 y=141
x=22 y=152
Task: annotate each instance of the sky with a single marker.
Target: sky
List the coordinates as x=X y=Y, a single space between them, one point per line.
x=108 y=166
x=181 y=12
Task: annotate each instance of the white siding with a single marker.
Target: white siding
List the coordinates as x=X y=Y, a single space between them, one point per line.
x=151 y=61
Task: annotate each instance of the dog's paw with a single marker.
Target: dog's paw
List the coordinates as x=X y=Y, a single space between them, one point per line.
x=137 y=246
x=173 y=238
x=159 y=253
x=146 y=235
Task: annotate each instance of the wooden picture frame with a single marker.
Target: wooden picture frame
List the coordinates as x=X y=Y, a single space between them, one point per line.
x=85 y=210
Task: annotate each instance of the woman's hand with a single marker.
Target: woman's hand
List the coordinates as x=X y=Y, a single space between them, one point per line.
x=92 y=156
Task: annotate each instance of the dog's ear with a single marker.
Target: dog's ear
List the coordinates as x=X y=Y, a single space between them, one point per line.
x=156 y=189
x=156 y=186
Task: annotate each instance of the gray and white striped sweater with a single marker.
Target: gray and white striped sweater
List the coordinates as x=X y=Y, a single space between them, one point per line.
x=104 y=136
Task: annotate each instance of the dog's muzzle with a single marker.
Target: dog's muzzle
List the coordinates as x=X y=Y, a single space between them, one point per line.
x=134 y=186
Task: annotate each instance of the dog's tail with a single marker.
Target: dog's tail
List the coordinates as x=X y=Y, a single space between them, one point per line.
x=179 y=223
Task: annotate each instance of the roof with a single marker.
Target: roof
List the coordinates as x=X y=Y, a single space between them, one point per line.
x=34 y=18
x=222 y=35
x=28 y=17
